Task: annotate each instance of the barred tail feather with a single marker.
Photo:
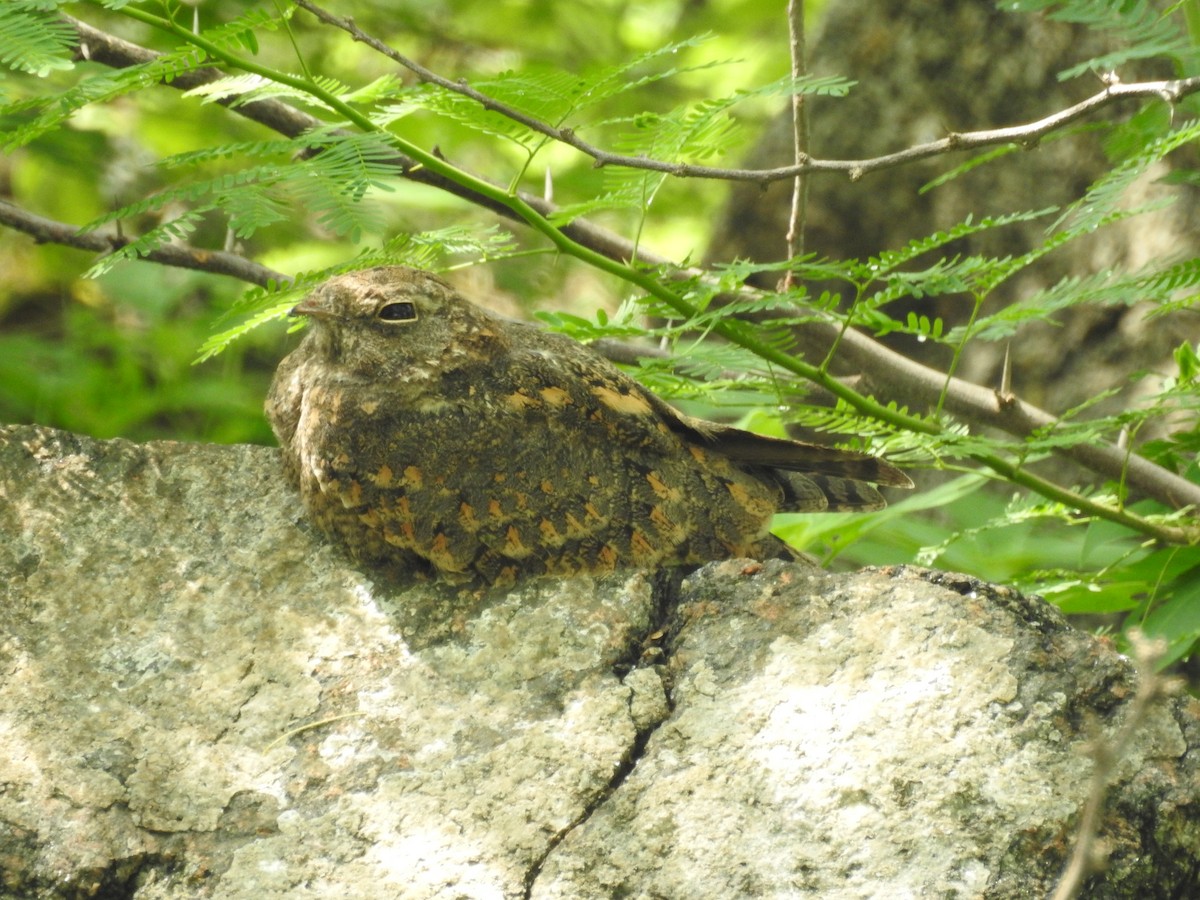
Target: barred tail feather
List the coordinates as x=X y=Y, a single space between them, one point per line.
x=826 y=493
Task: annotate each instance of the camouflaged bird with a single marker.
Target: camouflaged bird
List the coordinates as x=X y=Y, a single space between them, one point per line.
x=427 y=435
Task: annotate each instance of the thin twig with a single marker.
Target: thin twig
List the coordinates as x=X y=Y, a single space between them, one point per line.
x=1085 y=857
x=181 y=256
x=798 y=214
x=109 y=50
x=1026 y=135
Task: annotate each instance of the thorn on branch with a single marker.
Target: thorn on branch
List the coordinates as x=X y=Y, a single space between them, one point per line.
x=1004 y=393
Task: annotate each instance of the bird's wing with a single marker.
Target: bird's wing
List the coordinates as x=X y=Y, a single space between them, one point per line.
x=810 y=477
x=536 y=460
x=779 y=453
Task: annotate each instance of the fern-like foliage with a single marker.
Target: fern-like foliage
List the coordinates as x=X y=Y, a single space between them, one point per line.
x=331 y=184
x=45 y=113
x=1145 y=30
x=692 y=132
x=425 y=250
x=177 y=229
x=695 y=133
x=33 y=39
x=552 y=96
x=238 y=90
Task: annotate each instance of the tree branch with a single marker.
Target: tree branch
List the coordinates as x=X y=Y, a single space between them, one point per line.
x=1028 y=134
x=181 y=256
x=891 y=374
x=104 y=48
x=797 y=216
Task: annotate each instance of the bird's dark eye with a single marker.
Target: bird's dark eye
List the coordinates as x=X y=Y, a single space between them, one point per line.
x=404 y=311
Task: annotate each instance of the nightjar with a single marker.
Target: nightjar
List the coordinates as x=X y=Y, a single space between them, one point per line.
x=427 y=435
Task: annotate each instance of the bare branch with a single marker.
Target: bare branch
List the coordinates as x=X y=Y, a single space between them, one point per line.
x=892 y=375
x=179 y=255
x=796 y=219
x=1027 y=135
x=109 y=50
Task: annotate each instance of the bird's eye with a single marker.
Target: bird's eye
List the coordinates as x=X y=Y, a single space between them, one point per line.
x=404 y=311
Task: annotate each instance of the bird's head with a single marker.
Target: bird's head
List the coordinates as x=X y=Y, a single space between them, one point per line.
x=383 y=322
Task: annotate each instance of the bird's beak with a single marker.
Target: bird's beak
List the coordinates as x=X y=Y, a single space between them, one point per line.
x=310 y=306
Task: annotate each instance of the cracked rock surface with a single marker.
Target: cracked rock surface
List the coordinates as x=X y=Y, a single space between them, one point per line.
x=200 y=699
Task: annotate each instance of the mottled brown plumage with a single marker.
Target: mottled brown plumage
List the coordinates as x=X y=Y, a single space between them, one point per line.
x=425 y=434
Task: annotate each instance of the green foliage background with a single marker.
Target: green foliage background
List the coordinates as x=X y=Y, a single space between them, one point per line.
x=108 y=347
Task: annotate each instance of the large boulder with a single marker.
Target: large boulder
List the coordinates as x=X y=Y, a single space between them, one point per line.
x=198 y=698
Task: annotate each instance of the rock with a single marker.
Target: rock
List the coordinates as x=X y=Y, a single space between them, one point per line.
x=200 y=699
x=896 y=733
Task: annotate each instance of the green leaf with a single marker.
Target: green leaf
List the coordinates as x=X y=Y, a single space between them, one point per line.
x=973 y=163
x=1188 y=362
x=1137 y=28
x=177 y=229
x=835 y=532
x=1131 y=137
x=1105 y=197
x=1177 y=618
x=35 y=39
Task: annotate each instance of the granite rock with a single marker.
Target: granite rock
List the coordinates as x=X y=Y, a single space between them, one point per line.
x=199 y=698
